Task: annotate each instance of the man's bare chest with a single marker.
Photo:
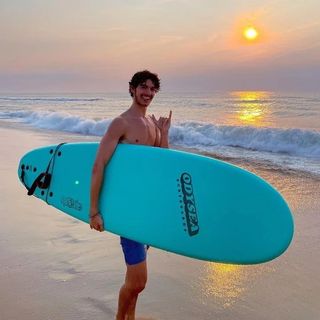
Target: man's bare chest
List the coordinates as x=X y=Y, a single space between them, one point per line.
x=142 y=131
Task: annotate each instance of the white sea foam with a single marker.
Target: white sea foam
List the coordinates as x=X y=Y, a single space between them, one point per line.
x=48 y=99
x=203 y=136
x=59 y=121
x=296 y=142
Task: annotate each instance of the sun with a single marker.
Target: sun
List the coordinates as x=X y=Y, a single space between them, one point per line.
x=250 y=33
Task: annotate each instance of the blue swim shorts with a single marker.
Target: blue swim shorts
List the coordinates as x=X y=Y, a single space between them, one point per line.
x=134 y=252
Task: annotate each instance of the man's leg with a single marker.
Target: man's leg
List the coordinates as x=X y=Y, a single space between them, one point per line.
x=135 y=281
x=132 y=309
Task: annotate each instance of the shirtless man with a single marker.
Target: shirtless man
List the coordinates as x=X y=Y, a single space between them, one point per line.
x=135 y=127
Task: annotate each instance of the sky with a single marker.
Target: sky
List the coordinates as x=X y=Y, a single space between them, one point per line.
x=194 y=46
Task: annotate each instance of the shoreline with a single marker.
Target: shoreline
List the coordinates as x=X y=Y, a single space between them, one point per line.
x=246 y=163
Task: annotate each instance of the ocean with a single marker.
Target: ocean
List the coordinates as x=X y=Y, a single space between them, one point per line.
x=279 y=130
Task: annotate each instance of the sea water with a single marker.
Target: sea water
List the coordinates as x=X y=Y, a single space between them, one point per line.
x=281 y=130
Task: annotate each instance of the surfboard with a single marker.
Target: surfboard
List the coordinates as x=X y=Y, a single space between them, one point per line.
x=177 y=201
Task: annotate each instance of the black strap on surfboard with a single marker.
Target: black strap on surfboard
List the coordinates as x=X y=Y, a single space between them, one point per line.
x=44 y=178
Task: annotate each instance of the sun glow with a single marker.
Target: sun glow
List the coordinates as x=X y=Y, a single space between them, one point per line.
x=250 y=33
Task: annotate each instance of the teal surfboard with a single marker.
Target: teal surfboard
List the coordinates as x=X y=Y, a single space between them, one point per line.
x=177 y=201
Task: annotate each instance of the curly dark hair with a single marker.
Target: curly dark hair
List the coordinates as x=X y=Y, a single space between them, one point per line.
x=141 y=77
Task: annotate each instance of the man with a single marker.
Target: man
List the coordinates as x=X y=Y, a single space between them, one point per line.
x=135 y=127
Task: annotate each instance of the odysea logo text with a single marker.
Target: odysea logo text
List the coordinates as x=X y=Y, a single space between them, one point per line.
x=71 y=203
x=190 y=209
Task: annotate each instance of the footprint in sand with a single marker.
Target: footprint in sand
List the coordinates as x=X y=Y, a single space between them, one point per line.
x=64 y=275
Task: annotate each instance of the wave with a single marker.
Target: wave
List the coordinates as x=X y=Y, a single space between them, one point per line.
x=296 y=142
x=59 y=121
x=199 y=135
x=50 y=99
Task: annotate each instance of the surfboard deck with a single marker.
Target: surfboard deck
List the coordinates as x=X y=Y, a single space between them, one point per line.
x=173 y=200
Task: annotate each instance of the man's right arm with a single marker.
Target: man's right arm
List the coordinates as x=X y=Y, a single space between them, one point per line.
x=107 y=146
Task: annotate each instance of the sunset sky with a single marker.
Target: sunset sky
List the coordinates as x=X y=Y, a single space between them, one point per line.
x=195 y=46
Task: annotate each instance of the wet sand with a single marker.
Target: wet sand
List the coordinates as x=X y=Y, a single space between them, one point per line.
x=54 y=267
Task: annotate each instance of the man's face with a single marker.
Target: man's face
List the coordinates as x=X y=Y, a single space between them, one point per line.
x=144 y=93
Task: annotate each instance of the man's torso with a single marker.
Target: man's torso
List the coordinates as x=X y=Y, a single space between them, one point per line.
x=141 y=130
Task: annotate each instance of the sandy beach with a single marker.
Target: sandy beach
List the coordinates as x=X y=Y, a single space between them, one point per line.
x=54 y=267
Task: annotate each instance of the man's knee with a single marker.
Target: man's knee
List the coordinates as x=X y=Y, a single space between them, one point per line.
x=136 y=277
x=136 y=287
x=140 y=286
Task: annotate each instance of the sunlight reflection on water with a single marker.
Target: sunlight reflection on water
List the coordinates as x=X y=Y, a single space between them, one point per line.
x=227 y=283
x=251 y=108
